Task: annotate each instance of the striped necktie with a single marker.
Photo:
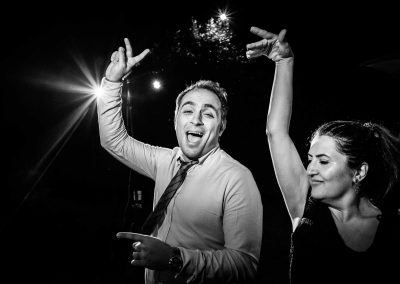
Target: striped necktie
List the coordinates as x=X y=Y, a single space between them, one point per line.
x=156 y=217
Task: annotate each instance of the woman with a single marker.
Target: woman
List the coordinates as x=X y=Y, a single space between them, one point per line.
x=343 y=230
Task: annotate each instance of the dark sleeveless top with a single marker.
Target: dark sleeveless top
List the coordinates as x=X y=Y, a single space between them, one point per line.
x=319 y=255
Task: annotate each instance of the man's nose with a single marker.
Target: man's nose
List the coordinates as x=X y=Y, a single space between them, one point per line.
x=196 y=118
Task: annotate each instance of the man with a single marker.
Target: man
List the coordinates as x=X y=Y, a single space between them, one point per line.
x=211 y=230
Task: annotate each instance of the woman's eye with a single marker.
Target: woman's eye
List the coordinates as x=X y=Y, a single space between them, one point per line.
x=210 y=115
x=324 y=162
x=187 y=111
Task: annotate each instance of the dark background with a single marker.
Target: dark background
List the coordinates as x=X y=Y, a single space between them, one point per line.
x=64 y=198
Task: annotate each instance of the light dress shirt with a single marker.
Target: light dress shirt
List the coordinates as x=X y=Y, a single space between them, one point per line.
x=215 y=218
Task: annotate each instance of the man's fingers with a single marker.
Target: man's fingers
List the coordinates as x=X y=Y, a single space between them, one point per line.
x=136 y=246
x=262 y=33
x=121 y=54
x=253 y=45
x=114 y=56
x=253 y=54
x=131 y=236
x=142 y=55
x=281 y=36
x=129 y=52
x=128 y=47
x=257 y=45
x=138 y=262
x=136 y=256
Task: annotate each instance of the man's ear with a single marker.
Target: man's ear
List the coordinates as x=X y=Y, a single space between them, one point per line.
x=222 y=127
x=175 y=121
x=360 y=173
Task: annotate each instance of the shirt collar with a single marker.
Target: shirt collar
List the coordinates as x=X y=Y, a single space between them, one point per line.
x=182 y=156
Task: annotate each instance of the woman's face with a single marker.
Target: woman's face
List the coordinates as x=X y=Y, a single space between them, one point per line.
x=329 y=175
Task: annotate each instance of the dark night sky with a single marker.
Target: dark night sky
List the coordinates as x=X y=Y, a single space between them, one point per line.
x=60 y=212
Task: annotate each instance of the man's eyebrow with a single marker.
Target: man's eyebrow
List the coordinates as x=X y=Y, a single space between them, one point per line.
x=211 y=106
x=205 y=106
x=187 y=103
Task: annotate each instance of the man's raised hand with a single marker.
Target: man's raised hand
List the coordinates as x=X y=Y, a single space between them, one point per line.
x=122 y=61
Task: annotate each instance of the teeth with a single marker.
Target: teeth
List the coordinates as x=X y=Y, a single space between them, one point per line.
x=195 y=133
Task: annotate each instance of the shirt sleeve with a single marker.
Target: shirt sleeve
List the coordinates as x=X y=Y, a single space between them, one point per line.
x=242 y=225
x=114 y=138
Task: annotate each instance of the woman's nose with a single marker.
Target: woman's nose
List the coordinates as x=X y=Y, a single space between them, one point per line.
x=312 y=170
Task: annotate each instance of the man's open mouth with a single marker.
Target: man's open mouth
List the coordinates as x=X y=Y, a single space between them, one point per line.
x=194 y=136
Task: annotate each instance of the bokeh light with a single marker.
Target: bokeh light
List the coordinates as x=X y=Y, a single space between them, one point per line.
x=98 y=91
x=156 y=84
x=223 y=17
x=214 y=40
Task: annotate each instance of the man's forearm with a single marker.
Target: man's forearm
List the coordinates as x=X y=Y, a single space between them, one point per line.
x=111 y=126
x=223 y=266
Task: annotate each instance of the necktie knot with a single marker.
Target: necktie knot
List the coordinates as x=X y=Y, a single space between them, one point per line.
x=187 y=165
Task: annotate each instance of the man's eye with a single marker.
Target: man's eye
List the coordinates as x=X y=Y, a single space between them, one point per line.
x=187 y=111
x=210 y=115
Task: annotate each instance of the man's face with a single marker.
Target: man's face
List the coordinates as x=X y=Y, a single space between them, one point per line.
x=198 y=123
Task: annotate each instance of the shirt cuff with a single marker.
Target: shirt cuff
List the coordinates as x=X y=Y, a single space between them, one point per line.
x=110 y=85
x=110 y=89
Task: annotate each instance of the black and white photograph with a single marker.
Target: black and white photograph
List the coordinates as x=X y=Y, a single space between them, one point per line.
x=200 y=142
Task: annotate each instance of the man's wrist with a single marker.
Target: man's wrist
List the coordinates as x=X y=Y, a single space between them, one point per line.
x=286 y=60
x=175 y=263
